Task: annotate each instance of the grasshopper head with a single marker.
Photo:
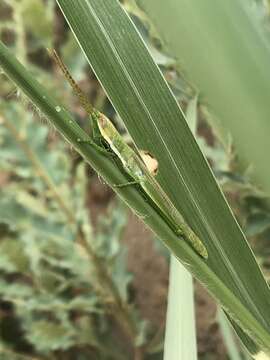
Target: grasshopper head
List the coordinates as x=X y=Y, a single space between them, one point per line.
x=106 y=128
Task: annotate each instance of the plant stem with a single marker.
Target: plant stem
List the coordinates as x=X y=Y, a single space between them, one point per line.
x=39 y=169
x=111 y=296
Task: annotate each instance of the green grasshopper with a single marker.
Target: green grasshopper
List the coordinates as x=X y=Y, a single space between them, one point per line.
x=132 y=163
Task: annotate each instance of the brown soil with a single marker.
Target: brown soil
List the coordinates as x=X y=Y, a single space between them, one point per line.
x=209 y=339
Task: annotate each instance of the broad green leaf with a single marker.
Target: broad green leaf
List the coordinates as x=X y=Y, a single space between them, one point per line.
x=224 y=50
x=156 y=123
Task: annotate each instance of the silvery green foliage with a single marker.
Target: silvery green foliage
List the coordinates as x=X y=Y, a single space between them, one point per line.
x=46 y=278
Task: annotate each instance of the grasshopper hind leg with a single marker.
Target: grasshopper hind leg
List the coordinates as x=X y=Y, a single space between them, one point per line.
x=127 y=184
x=194 y=241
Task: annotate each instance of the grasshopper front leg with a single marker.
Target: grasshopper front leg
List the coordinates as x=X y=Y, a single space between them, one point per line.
x=99 y=148
x=107 y=153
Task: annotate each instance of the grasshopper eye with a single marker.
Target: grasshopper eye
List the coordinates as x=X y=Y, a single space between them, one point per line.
x=150 y=161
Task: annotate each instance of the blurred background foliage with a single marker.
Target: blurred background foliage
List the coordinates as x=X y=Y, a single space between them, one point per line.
x=65 y=288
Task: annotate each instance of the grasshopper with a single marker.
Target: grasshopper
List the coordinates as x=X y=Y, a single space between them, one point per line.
x=132 y=163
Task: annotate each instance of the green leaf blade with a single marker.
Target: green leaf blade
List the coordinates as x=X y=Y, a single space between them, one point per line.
x=156 y=123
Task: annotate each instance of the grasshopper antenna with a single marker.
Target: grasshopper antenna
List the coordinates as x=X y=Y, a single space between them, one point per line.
x=78 y=91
